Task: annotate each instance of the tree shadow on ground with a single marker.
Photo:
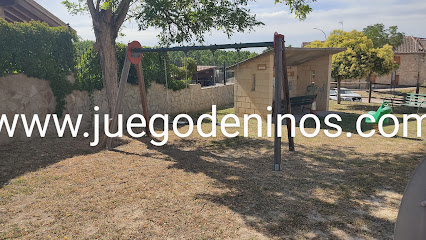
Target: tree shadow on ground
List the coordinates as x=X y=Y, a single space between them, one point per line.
x=396 y=109
x=322 y=191
x=18 y=158
x=363 y=107
x=348 y=123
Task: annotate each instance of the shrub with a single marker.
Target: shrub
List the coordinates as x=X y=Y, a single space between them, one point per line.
x=39 y=51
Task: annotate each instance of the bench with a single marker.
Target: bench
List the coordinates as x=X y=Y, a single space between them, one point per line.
x=300 y=101
x=415 y=100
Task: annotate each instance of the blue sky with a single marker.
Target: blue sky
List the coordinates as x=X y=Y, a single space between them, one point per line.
x=408 y=15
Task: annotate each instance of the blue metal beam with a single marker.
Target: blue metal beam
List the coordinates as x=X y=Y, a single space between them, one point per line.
x=210 y=47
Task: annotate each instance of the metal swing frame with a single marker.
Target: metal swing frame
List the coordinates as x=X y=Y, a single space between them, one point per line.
x=135 y=53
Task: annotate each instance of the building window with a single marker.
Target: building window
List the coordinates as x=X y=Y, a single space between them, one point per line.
x=397 y=60
x=253 y=87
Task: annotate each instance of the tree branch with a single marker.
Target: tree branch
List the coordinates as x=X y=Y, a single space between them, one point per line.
x=92 y=9
x=97 y=5
x=121 y=14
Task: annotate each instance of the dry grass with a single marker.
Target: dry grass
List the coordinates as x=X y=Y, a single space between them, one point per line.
x=217 y=188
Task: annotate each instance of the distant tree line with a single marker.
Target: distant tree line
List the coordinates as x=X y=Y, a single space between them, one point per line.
x=157 y=66
x=210 y=58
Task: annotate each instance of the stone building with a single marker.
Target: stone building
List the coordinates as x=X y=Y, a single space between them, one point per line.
x=411 y=58
x=309 y=72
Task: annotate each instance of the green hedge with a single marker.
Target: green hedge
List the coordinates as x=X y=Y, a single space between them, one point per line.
x=39 y=51
x=53 y=53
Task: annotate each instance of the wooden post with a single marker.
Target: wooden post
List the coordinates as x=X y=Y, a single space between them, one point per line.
x=339 y=78
x=286 y=91
x=370 y=89
x=278 y=63
x=123 y=80
x=142 y=91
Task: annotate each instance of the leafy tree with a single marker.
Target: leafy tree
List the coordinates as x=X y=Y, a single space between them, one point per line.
x=382 y=36
x=360 y=59
x=383 y=60
x=208 y=58
x=299 y=7
x=182 y=73
x=179 y=20
x=191 y=66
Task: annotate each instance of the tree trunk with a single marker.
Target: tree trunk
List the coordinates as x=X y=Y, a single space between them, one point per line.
x=370 y=87
x=339 y=79
x=105 y=40
x=106 y=25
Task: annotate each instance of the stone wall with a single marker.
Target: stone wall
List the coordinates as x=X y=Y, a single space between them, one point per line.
x=412 y=68
x=20 y=94
x=253 y=87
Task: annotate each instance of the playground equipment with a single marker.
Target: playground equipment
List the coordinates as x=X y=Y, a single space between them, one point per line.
x=134 y=55
x=377 y=115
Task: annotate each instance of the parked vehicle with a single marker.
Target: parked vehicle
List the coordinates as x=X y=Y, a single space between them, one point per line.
x=345 y=95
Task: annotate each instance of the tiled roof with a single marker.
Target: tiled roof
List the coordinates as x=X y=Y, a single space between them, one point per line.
x=304 y=44
x=296 y=56
x=412 y=45
x=27 y=10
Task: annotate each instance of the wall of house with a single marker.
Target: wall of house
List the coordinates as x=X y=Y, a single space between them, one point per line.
x=308 y=84
x=411 y=64
x=20 y=94
x=249 y=100
x=292 y=80
x=254 y=88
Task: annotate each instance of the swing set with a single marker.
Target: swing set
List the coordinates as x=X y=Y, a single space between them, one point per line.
x=135 y=55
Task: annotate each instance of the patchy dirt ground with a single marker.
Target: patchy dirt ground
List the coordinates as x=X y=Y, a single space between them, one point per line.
x=199 y=188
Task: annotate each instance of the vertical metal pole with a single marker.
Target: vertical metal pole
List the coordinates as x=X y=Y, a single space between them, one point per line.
x=286 y=91
x=418 y=83
x=370 y=89
x=142 y=92
x=123 y=80
x=278 y=63
x=224 y=73
x=339 y=78
x=214 y=69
